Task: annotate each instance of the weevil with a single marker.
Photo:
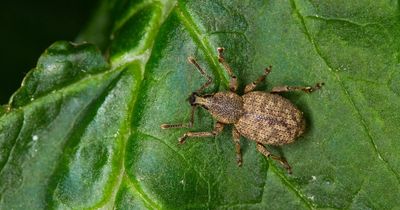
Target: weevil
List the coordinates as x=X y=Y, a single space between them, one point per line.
x=266 y=118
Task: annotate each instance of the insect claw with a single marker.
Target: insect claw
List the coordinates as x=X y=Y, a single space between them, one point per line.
x=182 y=139
x=220 y=56
x=286 y=166
x=239 y=162
x=319 y=85
x=268 y=69
x=289 y=170
x=316 y=87
x=191 y=60
x=308 y=89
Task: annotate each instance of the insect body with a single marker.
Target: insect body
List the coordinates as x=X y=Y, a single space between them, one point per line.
x=266 y=118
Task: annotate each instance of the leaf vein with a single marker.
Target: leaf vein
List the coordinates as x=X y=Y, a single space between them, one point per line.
x=183 y=158
x=15 y=143
x=203 y=43
x=142 y=195
x=317 y=17
x=78 y=129
x=346 y=92
x=290 y=186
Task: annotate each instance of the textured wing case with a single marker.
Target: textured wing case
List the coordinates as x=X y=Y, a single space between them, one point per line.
x=270 y=119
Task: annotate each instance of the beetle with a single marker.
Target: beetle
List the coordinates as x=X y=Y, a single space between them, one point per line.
x=266 y=118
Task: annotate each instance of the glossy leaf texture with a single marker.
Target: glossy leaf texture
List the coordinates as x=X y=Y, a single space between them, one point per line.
x=84 y=133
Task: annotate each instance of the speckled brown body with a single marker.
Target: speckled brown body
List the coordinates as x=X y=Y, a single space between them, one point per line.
x=266 y=118
x=270 y=119
x=263 y=117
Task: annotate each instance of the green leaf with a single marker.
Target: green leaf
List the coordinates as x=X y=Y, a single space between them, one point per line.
x=84 y=134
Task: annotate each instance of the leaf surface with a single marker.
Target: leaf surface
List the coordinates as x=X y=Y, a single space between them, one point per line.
x=82 y=132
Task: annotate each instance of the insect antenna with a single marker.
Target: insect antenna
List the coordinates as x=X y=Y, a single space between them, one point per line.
x=203 y=73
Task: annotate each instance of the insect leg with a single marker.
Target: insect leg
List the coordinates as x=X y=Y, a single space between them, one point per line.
x=217 y=129
x=203 y=73
x=282 y=89
x=261 y=148
x=250 y=87
x=182 y=125
x=233 y=83
x=236 y=139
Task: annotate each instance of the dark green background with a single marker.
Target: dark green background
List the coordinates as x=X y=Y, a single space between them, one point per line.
x=28 y=28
